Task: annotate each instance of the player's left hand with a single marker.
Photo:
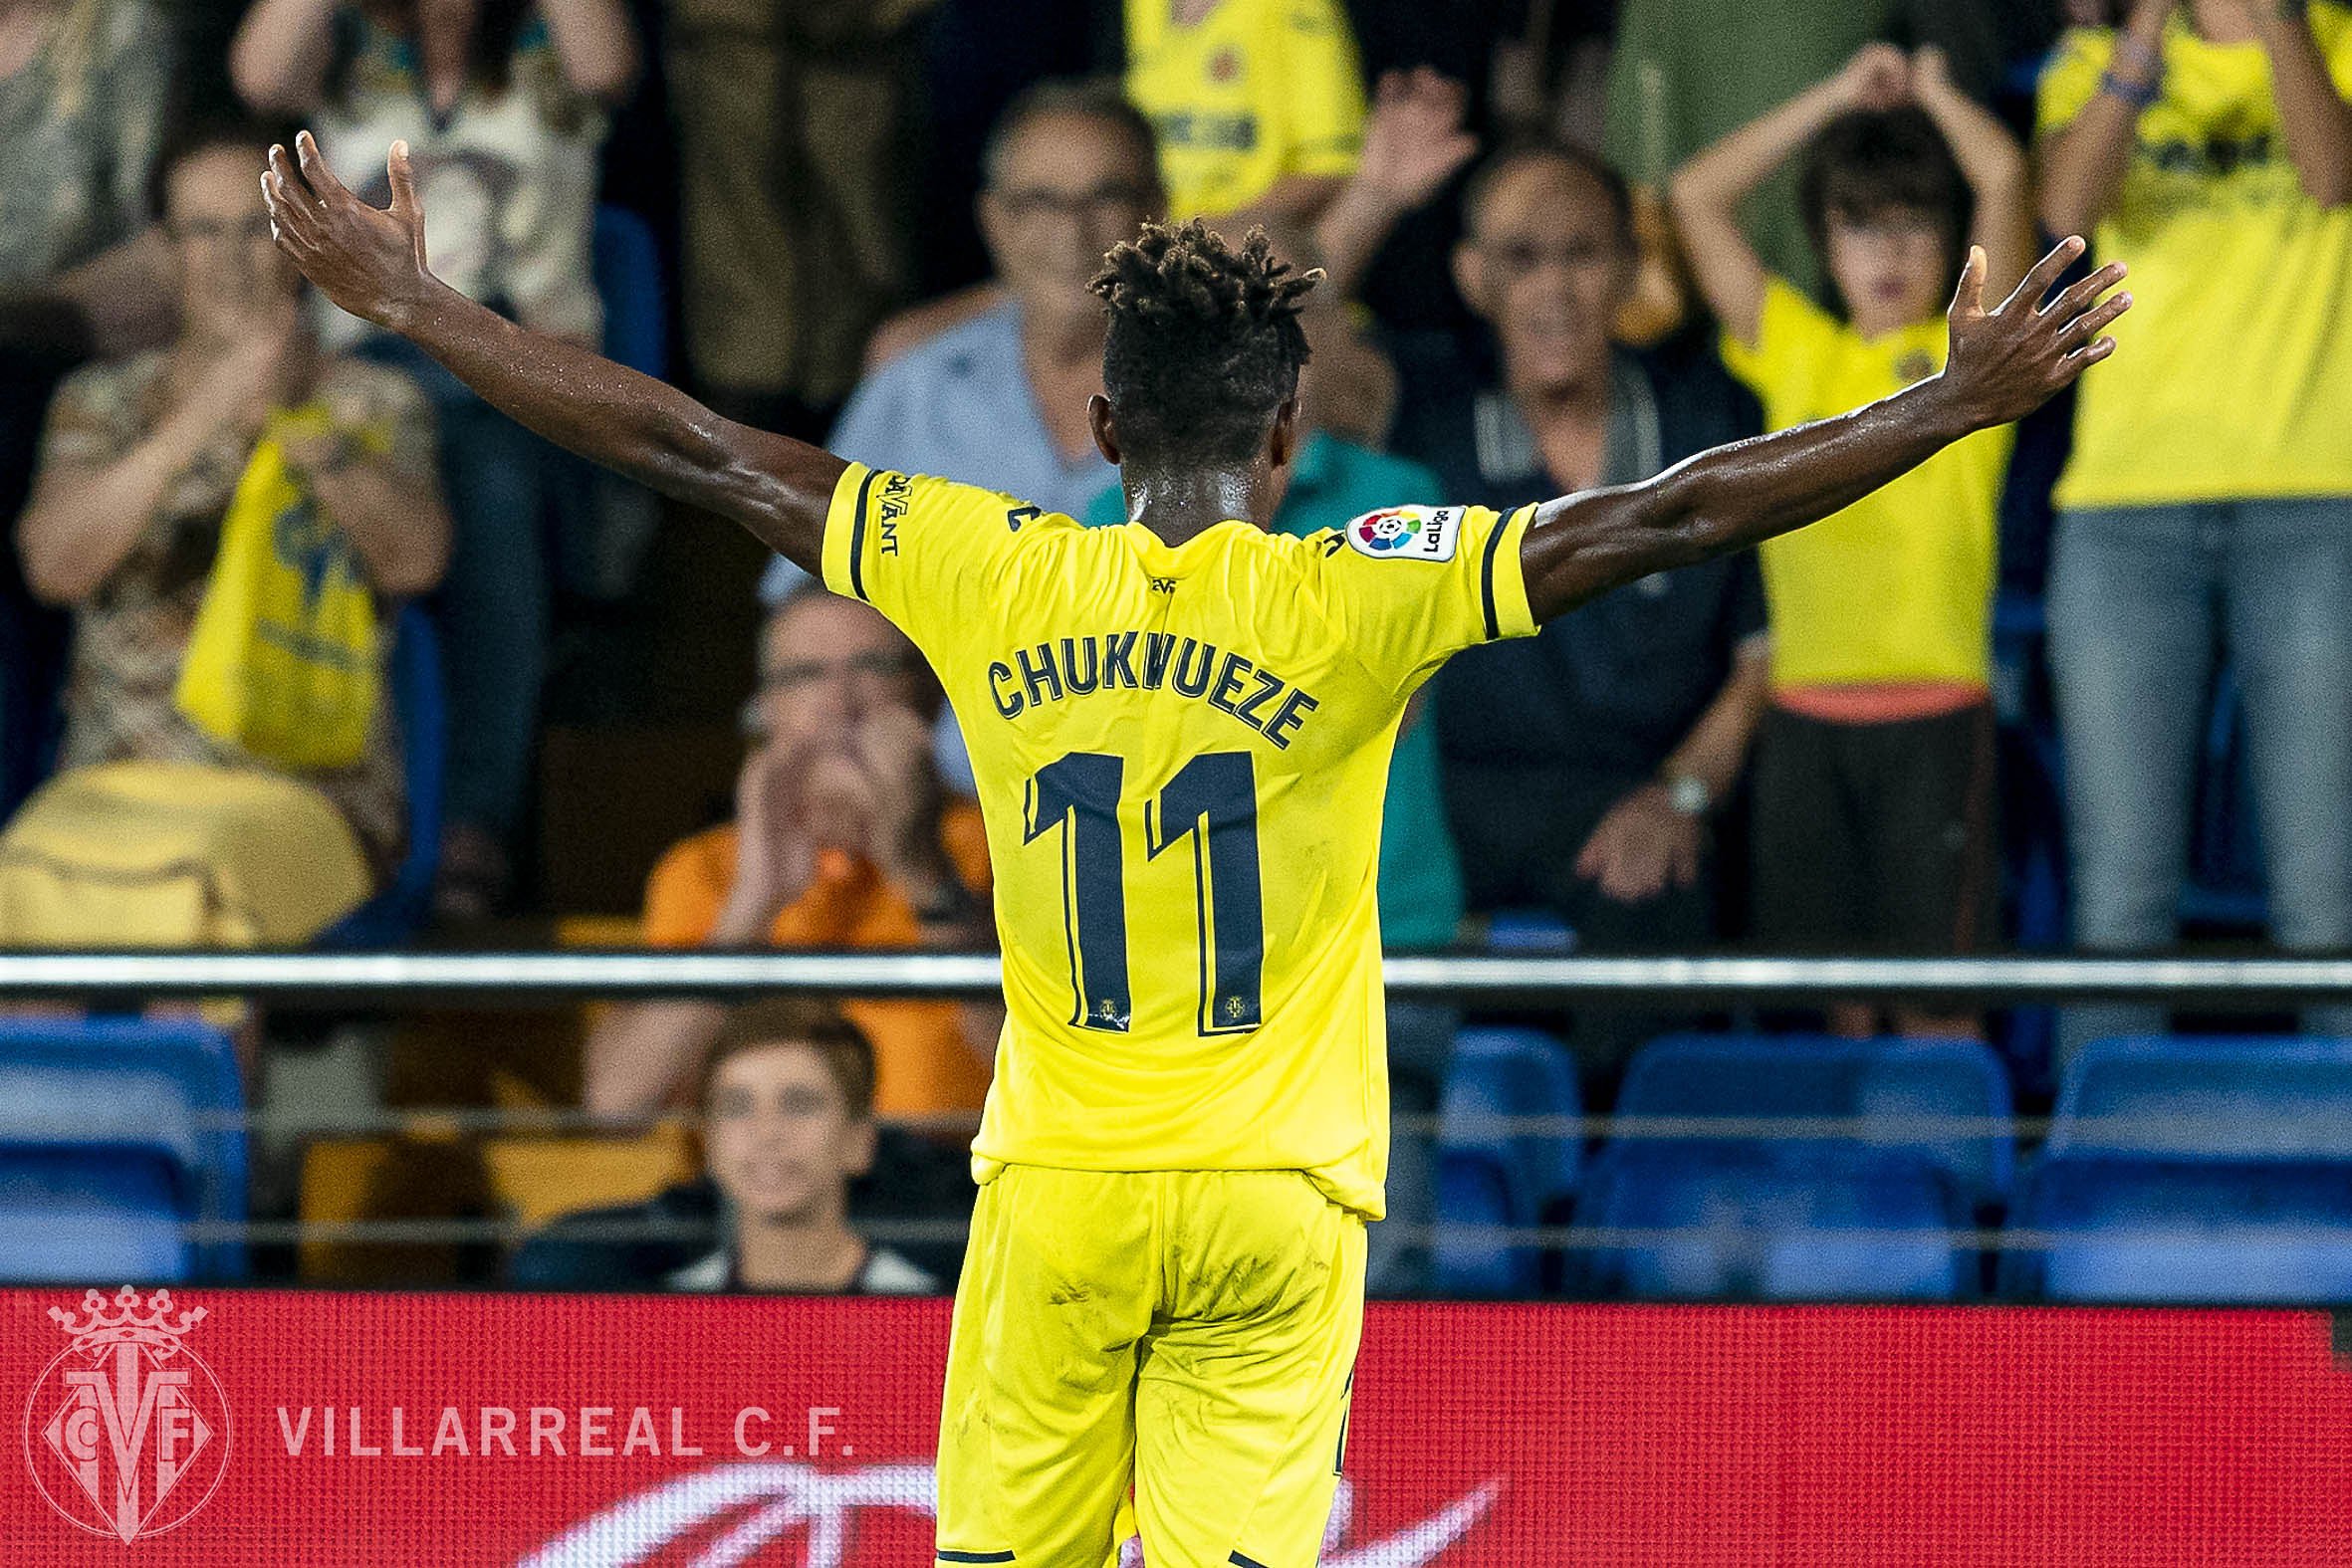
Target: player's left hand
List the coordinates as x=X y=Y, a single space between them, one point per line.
x=1642 y=847
x=370 y=262
x=2008 y=360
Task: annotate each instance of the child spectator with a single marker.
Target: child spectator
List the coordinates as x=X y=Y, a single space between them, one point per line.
x=2208 y=504
x=1684 y=76
x=843 y=837
x=787 y=1124
x=502 y=105
x=1874 y=767
x=159 y=831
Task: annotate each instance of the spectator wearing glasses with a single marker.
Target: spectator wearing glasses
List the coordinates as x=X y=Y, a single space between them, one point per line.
x=1000 y=399
x=1584 y=766
x=158 y=831
x=843 y=837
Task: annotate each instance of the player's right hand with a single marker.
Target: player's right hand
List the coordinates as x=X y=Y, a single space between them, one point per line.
x=369 y=262
x=2010 y=360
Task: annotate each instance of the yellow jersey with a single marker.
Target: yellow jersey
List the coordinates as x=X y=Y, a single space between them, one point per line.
x=1182 y=754
x=2234 y=365
x=1896 y=588
x=1254 y=90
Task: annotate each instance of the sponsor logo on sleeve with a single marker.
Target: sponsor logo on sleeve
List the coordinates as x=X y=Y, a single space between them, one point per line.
x=1407 y=533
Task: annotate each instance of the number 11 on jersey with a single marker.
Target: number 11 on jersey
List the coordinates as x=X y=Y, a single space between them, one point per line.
x=1212 y=802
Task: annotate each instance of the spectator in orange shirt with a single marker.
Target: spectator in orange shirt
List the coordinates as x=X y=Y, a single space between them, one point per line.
x=843 y=837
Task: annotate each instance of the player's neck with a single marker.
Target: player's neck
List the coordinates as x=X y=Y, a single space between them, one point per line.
x=1181 y=507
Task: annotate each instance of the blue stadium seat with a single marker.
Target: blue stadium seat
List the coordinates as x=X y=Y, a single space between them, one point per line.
x=1890 y=1086
x=1468 y=1259
x=1495 y=1175
x=91 y=1217
x=2189 y=1097
x=395 y=914
x=68 y=1087
x=2226 y=1232
x=1843 y=1224
x=1536 y=930
x=628 y=266
x=1496 y=1074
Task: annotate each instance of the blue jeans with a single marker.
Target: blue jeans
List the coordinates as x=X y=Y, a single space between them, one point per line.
x=508 y=491
x=2141 y=599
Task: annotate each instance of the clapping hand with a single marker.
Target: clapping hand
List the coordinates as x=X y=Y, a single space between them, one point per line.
x=1414 y=140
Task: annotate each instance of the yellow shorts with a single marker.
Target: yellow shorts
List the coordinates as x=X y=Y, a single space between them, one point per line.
x=1188 y=1334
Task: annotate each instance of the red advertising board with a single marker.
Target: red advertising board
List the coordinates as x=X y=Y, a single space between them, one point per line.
x=295 y=1427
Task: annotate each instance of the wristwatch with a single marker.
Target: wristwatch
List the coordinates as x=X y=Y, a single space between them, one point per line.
x=1688 y=794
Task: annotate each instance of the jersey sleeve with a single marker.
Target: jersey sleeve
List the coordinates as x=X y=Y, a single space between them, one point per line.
x=1321 y=89
x=1410 y=586
x=927 y=552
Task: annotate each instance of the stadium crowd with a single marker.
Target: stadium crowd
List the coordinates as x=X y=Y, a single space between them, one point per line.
x=2078 y=681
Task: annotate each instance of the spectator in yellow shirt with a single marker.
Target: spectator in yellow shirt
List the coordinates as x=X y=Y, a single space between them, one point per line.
x=1259 y=104
x=1874 y=765
x=2207 y=502
x=843 y=837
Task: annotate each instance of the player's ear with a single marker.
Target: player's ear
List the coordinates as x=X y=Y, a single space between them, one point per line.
x=1282 y=442
x=1106 y=434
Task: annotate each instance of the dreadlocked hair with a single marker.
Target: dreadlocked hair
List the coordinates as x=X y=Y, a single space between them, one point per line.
x=1204 y=344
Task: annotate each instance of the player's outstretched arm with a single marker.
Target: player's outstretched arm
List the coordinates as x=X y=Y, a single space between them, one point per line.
x=371 y=263
x=2005 y=363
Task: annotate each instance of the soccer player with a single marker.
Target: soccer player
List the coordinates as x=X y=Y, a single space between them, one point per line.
x=1179 y=728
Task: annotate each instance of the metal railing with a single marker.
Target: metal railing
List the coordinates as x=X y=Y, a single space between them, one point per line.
x=411 y=979
x=473 y=979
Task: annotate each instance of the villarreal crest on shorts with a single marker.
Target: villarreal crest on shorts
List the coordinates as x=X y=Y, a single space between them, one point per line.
x=1182 y=753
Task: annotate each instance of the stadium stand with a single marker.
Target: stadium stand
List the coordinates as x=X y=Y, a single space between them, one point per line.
x=2241 y=1232
x=1726 y=1222
x=2208 y=1098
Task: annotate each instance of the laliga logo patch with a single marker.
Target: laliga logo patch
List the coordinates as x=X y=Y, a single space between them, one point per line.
x=1407 y=533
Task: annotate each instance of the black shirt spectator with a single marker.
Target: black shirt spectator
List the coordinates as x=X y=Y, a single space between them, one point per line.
x=1581 y=765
